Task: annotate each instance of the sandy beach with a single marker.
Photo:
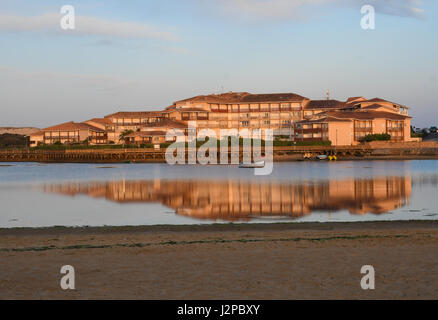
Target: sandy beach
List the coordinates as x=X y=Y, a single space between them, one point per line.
x=253 y=261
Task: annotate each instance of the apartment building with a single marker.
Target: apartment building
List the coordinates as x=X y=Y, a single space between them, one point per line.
x=286 y=114
x=157 y=132
x=69 y=133
x=351 y=127
x=130 y=120
x=242 y=110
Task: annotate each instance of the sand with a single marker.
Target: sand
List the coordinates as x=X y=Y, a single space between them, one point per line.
x=263 y=261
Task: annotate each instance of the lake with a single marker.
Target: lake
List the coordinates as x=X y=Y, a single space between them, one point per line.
x=43 y=195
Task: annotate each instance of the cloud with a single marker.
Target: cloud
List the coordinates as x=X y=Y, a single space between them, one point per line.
x=297 y=9
x=139 y=46
x=85 y=25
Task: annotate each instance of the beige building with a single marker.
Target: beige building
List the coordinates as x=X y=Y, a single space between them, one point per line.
x=284 y=113
x=343 y=128
x=130 y=120
x=69 y=133
x=242 y=110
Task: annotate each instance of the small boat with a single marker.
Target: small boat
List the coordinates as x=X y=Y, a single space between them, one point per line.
x=258 y=164
x=322 y=157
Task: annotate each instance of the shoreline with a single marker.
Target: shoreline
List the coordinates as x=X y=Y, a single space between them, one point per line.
x=261 y=261
x=221 y=227
x=370 y=151
x=277 y=159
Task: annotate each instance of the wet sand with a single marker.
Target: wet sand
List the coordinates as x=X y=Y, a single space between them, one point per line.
x=262 y=261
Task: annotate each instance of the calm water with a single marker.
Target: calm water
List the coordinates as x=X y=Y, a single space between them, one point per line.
x=36 y=195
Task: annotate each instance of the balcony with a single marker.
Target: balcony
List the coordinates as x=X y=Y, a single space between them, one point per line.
x=359 y=129
x=394 y=129
x=312 y=130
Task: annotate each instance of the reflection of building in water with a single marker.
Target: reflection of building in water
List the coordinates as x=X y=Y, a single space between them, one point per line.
x=234 y=200
x=243 y=200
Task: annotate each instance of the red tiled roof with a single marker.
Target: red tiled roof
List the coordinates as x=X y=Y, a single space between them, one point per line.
x=325 y=104
x=353 y=99
x=365 y=115
x=377 y=100
x=374 y=106
x=167 y=123
x=72 y=126
x=383 y=100
x=37 y=133
x=273 y=97
x=100 y=120
x=323 y=119
x=245 y=97
x=354 y=115
x=192 y=110
x=135 y=114
x=146 y=134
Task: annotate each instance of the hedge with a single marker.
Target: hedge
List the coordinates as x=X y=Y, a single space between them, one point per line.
x=377 y=137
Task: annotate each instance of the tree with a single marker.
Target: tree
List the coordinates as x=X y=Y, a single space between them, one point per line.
x=125 y=133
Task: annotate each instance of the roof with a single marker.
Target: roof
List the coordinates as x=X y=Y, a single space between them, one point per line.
x=332 y=116
x=366 y=115
x=192 y=110
x=245 y=97
x=354 y=99
x=165 y=123
x=324 y=104
x=377 y=100
x=323 y=119
x=100 y=120
x=383 y=100
x=135 y=114
x=273 y=97
x=146 y=134
x=72 y=126
x=374 y=106
x=37 y=133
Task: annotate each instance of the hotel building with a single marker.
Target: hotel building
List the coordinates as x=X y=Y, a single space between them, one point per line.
x=69 y=133
x=289 y=115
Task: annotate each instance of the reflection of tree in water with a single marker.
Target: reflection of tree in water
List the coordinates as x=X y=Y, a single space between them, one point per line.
x=243 y=200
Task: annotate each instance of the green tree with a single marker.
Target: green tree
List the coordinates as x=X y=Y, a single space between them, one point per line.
x=125 y=133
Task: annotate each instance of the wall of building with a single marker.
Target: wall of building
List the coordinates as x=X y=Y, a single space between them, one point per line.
x=341 y=133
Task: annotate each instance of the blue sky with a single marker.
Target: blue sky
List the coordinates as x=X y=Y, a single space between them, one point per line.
x=143 y=55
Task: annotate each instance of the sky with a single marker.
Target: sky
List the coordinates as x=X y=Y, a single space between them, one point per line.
x=144 y=55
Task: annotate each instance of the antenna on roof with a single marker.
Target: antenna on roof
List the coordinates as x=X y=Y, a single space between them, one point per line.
x=328 y=94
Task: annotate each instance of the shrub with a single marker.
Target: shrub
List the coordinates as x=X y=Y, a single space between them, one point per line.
x=301 y=143
x=313 y=143
x=146 y=145
x=377 y=137
x=8 y=140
